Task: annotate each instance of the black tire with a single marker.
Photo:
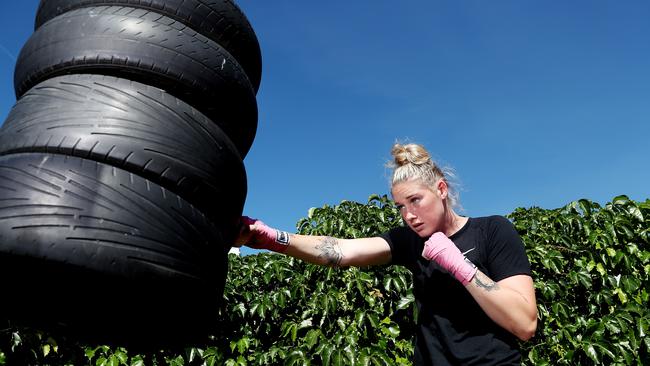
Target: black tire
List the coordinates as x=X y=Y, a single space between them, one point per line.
x=143 y=46
x=96 y=250
x=134 y=127
x=221 y=21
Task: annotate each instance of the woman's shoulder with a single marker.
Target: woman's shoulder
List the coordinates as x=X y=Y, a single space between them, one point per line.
x=497 y=229
x=493 y=225
x=490 y=221
x=401 y=231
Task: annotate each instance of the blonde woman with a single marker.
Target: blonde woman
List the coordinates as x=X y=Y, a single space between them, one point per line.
x=472 y=279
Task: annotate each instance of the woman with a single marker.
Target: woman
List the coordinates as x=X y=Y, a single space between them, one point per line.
x=471 y=276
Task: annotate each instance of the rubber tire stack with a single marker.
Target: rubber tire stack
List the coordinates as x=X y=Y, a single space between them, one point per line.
x=121 y=172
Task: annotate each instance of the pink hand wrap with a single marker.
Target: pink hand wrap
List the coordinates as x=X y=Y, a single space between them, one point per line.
x=264 y=237
x=442 y=250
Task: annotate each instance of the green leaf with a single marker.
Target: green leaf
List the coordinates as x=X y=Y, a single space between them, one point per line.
x=240 y=308
x=121 y=356
x=364 y=358
x=393 y=331
x=359 y=315
x=373 y=319
x=243 y=345
x=311 y=338
x=177 y=361
x=590 y=350
x=296 y=358
x=613 y=326
x=16 y=340
x=337 y=358
x=305 y=323
x=90 y=352
x=405 y=301
x=585 y=206
x=621 y=200
x=636 y=213
x=621 y=295
x=325 y=353
x=194 y=353
x=341 y=323
x=643 y=327
x=605 y=351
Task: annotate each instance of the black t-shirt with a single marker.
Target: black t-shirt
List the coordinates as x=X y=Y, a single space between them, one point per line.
x=452 y=329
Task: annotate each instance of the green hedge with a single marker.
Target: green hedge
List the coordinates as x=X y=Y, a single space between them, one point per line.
x=590 y=264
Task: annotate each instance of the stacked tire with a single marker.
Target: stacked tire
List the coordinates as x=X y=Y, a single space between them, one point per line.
x=121 y=172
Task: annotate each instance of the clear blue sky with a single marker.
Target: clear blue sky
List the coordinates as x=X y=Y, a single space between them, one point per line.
x=534 y=103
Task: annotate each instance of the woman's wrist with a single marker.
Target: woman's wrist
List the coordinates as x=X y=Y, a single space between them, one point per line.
x=261 y=236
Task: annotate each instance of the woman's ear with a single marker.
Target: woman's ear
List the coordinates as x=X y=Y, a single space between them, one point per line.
x=442 y=188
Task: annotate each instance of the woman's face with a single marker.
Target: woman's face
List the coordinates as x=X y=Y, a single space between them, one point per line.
x=421 y=207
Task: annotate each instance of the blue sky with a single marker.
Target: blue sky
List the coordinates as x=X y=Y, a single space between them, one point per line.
x=533 y=103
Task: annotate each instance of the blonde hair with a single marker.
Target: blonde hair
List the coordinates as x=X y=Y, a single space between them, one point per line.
x=413 y=161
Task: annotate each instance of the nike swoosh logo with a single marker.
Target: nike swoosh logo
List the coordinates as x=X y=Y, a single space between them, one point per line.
x=464 y=253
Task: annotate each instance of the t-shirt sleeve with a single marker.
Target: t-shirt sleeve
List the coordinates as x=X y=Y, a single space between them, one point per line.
x=397 y=239
x=506 y=255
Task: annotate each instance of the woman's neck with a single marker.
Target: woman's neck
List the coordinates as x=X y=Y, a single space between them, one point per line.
x=454 y=223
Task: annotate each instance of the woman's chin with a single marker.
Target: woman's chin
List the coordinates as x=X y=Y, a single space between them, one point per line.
x=422 y=231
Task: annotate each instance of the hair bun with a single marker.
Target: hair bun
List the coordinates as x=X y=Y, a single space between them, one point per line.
x=410 y=154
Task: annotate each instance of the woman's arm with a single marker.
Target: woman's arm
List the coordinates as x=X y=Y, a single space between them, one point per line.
x=323 y=250
x=329 y=251
x=510 y=302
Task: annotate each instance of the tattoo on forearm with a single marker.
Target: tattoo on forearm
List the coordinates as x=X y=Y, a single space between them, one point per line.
x=482 y=281
x=330 y=251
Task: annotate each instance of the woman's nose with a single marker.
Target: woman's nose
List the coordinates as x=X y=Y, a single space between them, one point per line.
x=409 y=216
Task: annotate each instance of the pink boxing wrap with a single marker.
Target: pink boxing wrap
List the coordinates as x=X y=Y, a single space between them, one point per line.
x=443 y=251
x=265 y=237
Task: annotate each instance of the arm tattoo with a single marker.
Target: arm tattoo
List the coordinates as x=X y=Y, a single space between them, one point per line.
x=482 y=281
x=330 y=251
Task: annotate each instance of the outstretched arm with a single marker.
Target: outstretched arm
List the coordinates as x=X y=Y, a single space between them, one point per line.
x=323 y=250
x=329 y=251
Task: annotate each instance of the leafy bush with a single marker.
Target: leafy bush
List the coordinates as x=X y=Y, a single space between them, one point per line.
x=590 y=265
